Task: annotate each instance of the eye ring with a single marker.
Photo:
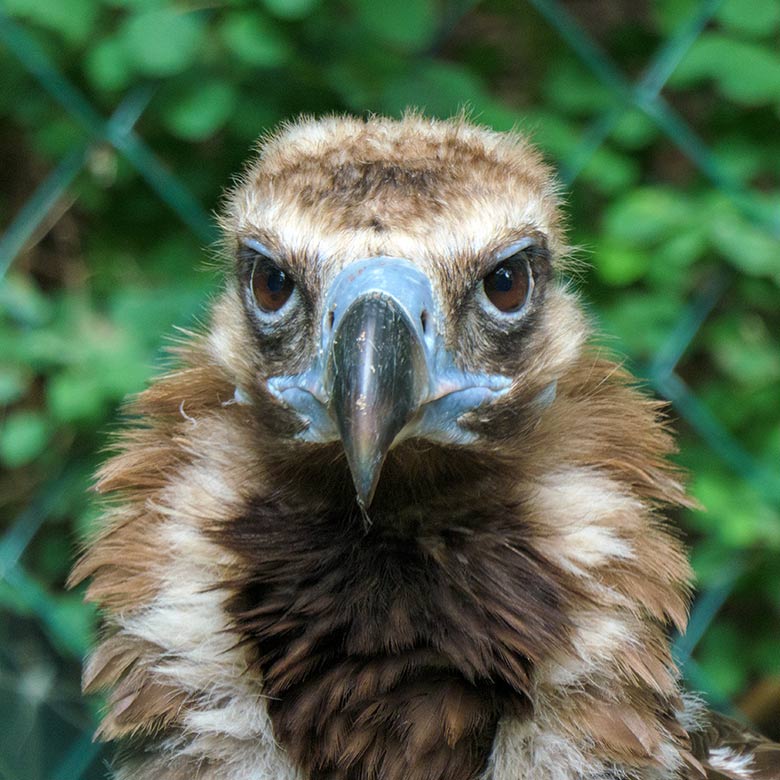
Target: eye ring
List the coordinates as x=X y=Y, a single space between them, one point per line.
x=507 y=289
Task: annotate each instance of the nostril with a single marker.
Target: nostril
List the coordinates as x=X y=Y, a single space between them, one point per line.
x=331 y=318
x=424 y=321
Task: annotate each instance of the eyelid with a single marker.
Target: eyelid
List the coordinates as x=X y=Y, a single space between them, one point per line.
x=257 y=246
x=491 y=260
x=513 y=249
x=254 y=252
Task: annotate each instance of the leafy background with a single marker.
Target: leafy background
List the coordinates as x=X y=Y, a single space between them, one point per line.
x=675 y=200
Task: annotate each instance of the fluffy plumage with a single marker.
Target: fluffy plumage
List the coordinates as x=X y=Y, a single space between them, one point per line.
x=501 y=610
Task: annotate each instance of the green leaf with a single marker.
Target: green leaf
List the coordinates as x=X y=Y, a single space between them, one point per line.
x=74 y=20
x=163 y=41
x=201 y=110
x=748 y=248
x=252 y=39
x=671 y=14
x=679 y=251
x=647 y=216
x=758 y=18
x=669 y=269
x=619 y=265
x=610 y=172
x=23 y=437
x=746 y=72
x=73 y=397
x=572 y=89
x=557 y=136
x=744 y=349
x=641 y=321
x=733 y=512
x=291 y=9
x=408 y=24
x=635 y=130
x=107 y=65
x=141 y=4
x=739 y=156
x=58 y=136
x=122 y=373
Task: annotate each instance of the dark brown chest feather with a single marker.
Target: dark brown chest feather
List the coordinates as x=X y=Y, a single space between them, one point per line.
x=393 y=656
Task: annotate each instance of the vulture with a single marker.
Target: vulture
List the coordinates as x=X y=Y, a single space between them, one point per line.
x=391 y=515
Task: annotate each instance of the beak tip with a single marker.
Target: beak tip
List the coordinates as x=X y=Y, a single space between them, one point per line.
x=376 y=367
x=365 y=480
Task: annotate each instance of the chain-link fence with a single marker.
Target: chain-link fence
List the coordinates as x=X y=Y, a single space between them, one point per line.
x=62 y=741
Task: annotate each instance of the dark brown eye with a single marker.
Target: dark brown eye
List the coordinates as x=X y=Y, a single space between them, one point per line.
x=271 y=287
x=508 y=286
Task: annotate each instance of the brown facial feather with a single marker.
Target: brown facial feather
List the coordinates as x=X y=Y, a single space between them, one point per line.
x=406 y=175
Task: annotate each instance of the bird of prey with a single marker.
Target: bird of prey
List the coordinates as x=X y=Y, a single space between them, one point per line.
x=392 y=517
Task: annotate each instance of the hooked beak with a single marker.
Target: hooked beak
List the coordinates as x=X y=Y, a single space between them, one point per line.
x=383 y=372
x=378 y=378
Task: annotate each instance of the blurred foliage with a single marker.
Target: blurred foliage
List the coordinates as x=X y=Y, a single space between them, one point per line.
x=110 y=270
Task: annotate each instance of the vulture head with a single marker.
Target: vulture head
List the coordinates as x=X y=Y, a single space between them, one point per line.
x=393 y=304
x=391 y=517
